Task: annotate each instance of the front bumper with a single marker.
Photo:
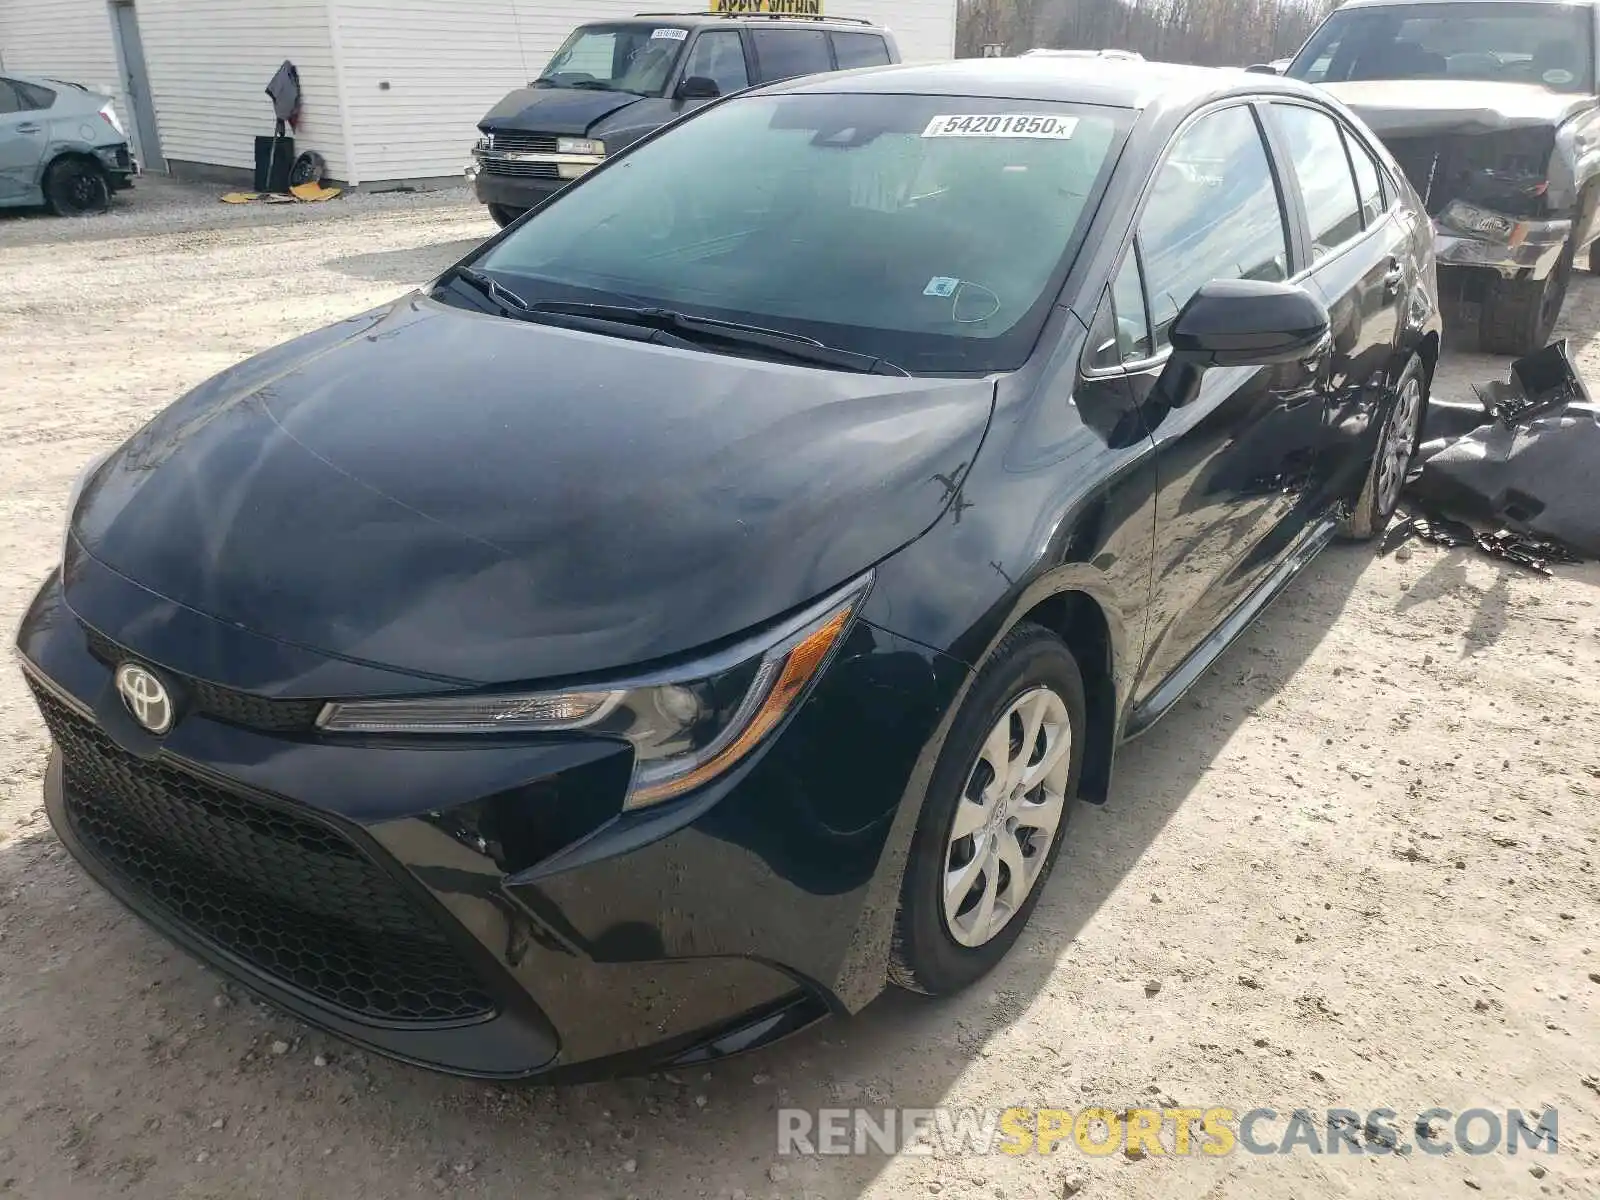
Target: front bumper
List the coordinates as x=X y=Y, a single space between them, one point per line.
x=546 y=932
x=514 y=191
x=1530 y=250
x=119 y=163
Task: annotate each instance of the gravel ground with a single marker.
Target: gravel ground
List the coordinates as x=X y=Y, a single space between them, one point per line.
x=1354 y=869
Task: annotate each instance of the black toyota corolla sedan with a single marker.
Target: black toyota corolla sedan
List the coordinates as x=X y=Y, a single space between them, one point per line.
x=703 y=604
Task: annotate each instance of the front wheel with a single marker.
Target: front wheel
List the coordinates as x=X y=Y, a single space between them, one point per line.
x=75 y=188
x=992 y=823
x=1396 y=446
x=504 y=214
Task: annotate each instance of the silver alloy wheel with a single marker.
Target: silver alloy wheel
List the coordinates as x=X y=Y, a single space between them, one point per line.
x=1007 y=816
x=1398 y=442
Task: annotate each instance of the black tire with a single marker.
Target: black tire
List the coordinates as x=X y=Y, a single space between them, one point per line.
x=1373 y=507
x=924 y=956
x=504 y=214
x=74 y=187
x=1519 y=315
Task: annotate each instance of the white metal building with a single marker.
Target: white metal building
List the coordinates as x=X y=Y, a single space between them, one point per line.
x=392 y=89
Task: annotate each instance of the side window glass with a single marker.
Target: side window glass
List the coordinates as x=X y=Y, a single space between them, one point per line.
x=1332 y=209
x=10 y=102
x=1127 y=294
x=859 y=50
x=1212 y=214
x=785 y=53
x=1368 y=188
x=718 y=55
x=1121 y=332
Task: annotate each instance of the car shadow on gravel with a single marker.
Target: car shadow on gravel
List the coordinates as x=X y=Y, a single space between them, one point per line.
x=692 y=1133
x=410 y=265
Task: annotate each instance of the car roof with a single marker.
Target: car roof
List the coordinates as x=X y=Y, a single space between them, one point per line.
x=1112 y=82
x=738 y=20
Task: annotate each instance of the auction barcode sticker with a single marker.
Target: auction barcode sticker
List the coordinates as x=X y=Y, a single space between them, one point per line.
x=1003 y=125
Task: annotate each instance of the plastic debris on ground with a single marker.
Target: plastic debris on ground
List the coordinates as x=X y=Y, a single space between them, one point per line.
x=1523 y=463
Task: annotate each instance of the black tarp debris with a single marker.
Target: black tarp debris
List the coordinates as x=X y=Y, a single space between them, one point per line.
x=1525 y=462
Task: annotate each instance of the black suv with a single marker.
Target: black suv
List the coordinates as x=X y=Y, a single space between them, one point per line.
x=613 y=82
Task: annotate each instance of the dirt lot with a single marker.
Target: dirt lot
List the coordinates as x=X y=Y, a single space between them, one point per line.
x=1355 y=869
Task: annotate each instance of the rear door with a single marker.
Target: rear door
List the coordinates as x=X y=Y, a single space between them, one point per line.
x=1359 y=267
x=1234 y=464
x=22 y=142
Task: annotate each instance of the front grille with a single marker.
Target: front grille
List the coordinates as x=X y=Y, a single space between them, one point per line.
x=287 y=894
x=220 y=703
x=520 y=170
x=1476 y=167
x=539 y=143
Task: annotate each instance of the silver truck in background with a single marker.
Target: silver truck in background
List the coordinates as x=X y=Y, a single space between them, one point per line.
x=1490 y=108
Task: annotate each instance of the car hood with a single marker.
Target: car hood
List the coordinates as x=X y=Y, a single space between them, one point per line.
x=485 y=500
x=1408 y=107
x=568 y=111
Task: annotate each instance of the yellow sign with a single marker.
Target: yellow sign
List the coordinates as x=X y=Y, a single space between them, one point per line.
x=777 y=8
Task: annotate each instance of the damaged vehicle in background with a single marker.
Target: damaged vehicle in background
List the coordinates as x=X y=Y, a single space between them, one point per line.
x=1490 y=108
x=61 y=147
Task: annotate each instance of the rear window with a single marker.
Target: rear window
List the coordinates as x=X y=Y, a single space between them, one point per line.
x=16 y=96
x=34 y=96
x=1550 y=45
x=860 y=50
x=945 y=224
x=785 y=53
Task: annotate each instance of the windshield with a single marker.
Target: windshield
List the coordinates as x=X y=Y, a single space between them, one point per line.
x=929 y=231
x=617 y=58
x=1549 y=45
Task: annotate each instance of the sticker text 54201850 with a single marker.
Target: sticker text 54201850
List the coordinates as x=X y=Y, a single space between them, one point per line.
x=1002 y=125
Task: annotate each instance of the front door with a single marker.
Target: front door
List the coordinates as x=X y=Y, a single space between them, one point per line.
x=136 y=87
x=1235 y=465
x=1359 y=253
x=22 y=137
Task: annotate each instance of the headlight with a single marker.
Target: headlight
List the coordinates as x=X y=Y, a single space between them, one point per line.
x=573 y=170
x=110 y=114
x=686 y=726
x=76 y=494
x=1469 y=218
x=580 y=146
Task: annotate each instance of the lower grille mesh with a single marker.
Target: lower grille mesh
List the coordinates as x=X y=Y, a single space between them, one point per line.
x=287 y=894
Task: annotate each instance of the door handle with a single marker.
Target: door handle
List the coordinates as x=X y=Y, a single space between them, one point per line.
x=28 y=127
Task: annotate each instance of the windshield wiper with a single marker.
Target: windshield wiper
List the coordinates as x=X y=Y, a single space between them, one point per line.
x=490 y=288
x=794 y=346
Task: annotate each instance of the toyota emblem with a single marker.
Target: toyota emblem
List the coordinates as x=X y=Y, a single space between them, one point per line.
x=145 y=697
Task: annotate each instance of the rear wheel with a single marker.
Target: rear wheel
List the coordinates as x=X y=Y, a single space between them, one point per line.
x=1391 y=459
x=504 y=214
x=76 y=188
x=1519 y=315
x=993 y=819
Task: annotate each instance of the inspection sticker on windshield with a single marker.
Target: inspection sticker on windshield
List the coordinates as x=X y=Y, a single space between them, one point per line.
x=1001 y=125
x=672 y=35
x=941 y=285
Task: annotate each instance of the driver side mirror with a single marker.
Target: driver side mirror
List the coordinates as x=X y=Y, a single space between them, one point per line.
x=1241 y=323
x=1248 y=323
x=698 y=87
